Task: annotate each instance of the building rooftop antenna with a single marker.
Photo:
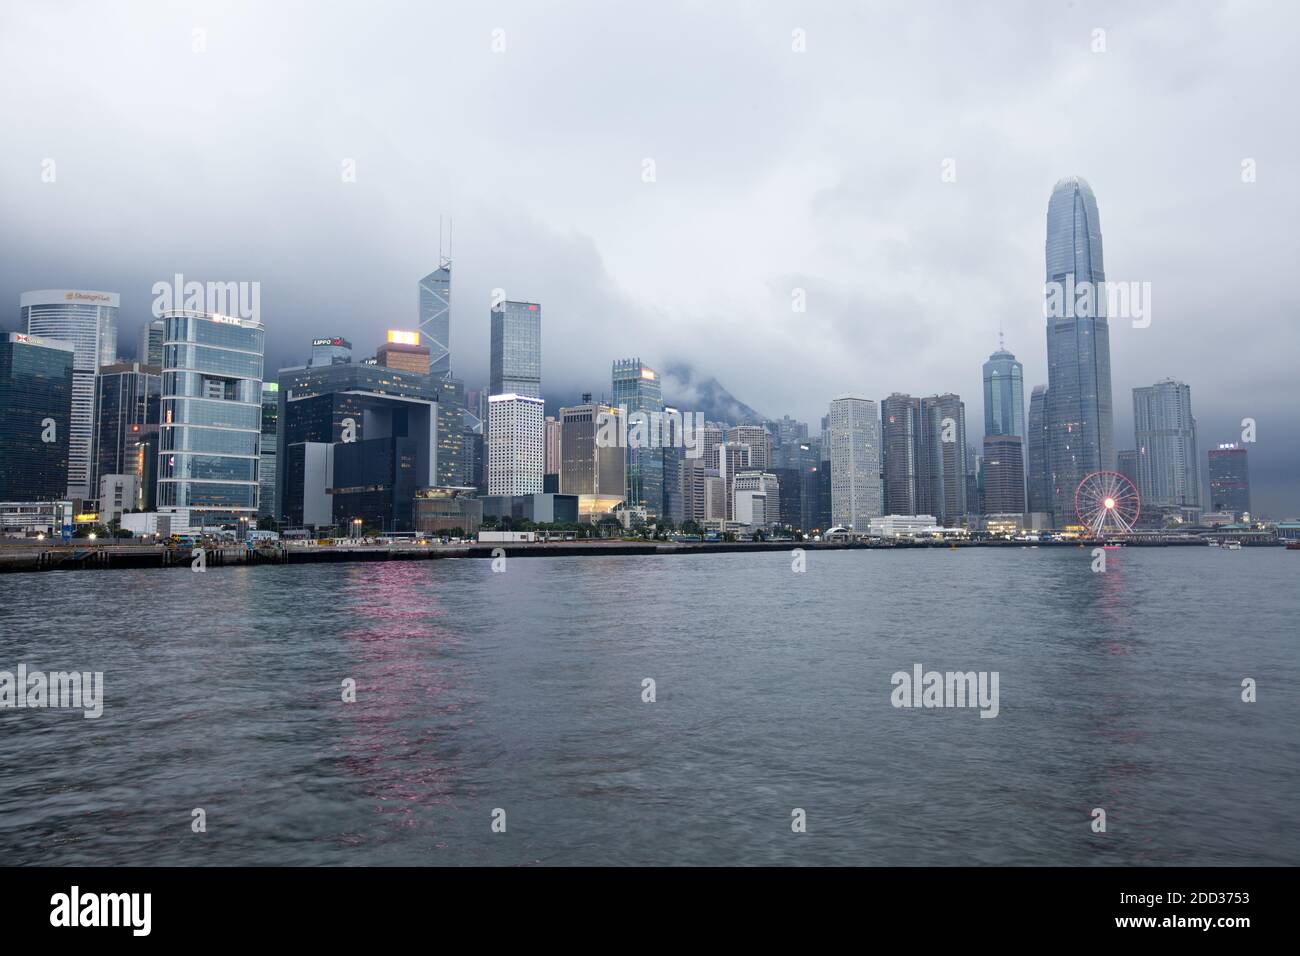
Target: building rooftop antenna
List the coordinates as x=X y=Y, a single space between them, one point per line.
x=444 y=259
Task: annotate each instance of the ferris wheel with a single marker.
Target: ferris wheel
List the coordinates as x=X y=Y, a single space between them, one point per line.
x=1107 y=503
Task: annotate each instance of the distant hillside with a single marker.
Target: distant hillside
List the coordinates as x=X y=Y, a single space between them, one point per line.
x=683 y=391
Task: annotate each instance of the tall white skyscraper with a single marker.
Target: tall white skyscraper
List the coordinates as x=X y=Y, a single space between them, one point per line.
x=1165 y=431
x=856 y=492
x=88 y=322
x=516 y=452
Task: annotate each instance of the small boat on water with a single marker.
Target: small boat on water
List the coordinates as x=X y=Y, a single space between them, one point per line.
x=1214 y=542
x=1233 y=545
x=1293 y=545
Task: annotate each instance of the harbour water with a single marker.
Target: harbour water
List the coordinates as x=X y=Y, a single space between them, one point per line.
x=523 y=691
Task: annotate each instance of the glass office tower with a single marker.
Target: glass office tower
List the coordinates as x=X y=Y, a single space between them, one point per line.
x=435 y=318
x=88 y=322
x=267 y=451
x=127 y=400
x=451 y=430
x=211 y=426
x=1038 y=483
x=516 y=359
x=151 y=340
x=1079 y=412
x=637 y=390
x=1004 y=395
x=36 y=387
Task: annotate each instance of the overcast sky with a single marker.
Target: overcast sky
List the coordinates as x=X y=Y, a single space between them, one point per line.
x=774 y=170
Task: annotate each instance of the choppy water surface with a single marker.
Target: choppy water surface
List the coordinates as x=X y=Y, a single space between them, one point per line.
x=522 y=691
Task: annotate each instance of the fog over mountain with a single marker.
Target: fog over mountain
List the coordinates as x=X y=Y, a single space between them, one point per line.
x=782 y=176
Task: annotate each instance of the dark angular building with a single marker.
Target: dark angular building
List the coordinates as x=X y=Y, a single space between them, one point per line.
x=540 y=508
x=35 y=417
x=451 y=428
x=351 y=403
x=1229 y=479
x=824 y=494
x=375 y=481
x=471 y=456
x=790 y=506
x=127 y=408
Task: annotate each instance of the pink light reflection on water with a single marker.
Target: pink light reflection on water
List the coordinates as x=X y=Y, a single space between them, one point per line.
x=411 y=693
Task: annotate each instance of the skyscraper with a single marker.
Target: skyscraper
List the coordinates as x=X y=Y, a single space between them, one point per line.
x=210 y=434
x=1038 y=483
x=36 y=387
x=902 y=441
x=1165 y=433
x=127 y=411
x=587 y=468
x=1004 y=395
x=789 y=431
x=435 y=317
x=88 y=322
x=1079 y=413
x=1004 y=474
x=732 y=460
x=941 y=473
x=636 y=389
x=451 y=470
x=516 y=359
x=1229 y=479
x=758 y=440
x=674 y=456
x=151 y=339
x=856 y=493
x=515 y=453
x=552 y=465
x=1126 y=464
x=267 y=506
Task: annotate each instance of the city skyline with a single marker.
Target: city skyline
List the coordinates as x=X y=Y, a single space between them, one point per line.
x=886 y=252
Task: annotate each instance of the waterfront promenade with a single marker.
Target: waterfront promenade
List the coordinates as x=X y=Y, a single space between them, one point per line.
x=19 y=556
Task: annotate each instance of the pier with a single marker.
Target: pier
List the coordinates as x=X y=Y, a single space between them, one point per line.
x=22 y=557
